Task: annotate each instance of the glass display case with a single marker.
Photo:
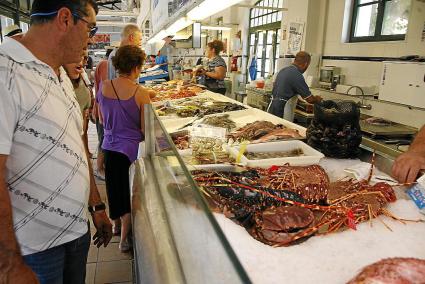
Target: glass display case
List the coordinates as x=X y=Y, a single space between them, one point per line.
x=176 y=237
x=180 y=238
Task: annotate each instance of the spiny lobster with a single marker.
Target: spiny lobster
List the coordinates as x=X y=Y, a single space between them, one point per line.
x=280 y=215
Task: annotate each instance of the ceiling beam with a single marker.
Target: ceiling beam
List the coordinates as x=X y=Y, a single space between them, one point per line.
x=106 y=3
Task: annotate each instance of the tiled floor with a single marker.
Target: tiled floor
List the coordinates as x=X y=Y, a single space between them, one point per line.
x=106 y=265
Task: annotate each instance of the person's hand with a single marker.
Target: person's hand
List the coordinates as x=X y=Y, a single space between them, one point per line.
x=152 y=94
x=103 y=229
x=21 y=274
x=202 y=71
x=318 y=99
x=408 y=165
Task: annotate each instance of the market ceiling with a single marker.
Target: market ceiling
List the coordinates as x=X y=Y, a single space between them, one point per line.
x=109 y=4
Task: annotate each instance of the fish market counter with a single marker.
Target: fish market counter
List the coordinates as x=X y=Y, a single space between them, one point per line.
x=200 y=223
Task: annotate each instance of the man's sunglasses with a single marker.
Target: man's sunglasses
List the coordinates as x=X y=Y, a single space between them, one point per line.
x=92 y=32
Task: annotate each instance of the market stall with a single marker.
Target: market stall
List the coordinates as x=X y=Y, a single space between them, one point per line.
x=233 y=244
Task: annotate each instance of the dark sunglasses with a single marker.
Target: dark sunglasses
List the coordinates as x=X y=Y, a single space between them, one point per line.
x=92 y=32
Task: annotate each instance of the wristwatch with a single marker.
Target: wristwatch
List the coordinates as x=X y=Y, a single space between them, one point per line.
x=98 y=207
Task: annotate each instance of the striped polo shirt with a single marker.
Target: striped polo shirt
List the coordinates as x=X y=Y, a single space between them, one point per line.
x=47 y=168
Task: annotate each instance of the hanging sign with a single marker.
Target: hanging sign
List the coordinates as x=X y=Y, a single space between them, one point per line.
x=295 y=39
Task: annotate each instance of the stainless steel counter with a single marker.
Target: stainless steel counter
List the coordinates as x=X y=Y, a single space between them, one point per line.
x=390 y=150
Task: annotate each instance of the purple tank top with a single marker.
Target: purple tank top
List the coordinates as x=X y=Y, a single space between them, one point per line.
x=122 y=128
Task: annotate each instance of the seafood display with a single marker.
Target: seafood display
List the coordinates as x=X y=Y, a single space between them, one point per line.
x=378 y=121
x=181 y=139
x=263 y=131
x=244 y=179
x=253 y=131
x=206 y=145
x=310 y=182
x=279 y=134
x=222 y=121
x=209 y=158
x=206 y=151
x=272 y=155
x=335 y=130
x=173 y=90
x=198 y=107
x=173 y=95
x=284 y=205
x=393 y=271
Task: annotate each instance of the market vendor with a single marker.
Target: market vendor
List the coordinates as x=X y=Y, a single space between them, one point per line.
x=216 y=69
x=408 y=165
x=164 y=53
x=290 y=84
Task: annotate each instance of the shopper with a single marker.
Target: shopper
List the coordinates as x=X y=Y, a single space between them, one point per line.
x=131 y=35
x=288 y=85
x=217 y=68
x=407 y=166
x=46 y=184
x=121 y=104
x=100 y=75
x=87 y=74
x=83 y=94
x=151 y=62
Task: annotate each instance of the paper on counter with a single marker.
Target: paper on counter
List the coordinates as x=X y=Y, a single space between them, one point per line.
x=361 y=171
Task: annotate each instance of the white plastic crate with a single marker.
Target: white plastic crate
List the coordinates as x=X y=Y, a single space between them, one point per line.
x=311 y=156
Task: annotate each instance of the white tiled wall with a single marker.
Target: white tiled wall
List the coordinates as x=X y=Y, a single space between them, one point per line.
x=363 y=73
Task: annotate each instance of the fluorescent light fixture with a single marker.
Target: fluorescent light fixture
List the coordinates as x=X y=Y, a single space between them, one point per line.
x=178 y=25
x=196 y=35
x=210 y=7
x=216 y=28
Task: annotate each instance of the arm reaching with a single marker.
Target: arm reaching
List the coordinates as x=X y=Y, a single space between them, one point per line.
x=408 y=165
x=313 y=99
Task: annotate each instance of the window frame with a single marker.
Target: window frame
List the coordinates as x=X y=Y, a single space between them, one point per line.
x=379 y=22
x=272 y=26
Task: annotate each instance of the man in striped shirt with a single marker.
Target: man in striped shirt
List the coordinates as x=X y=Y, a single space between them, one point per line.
x=46 y=181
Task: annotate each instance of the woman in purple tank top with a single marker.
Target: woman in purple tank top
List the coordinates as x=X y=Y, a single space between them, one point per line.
x=121 y=104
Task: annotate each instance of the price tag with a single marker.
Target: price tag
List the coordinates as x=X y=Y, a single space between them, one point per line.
x=242 y=150
x=202 y=130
